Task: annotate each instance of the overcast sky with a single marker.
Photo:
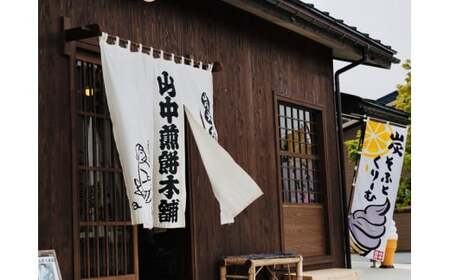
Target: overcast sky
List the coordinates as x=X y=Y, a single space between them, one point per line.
x=386 y=20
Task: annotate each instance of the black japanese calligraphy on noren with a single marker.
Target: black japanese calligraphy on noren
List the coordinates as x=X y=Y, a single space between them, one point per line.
x=168 y=211
x=168 y=162
x=206 y=116
x=168 y=142
x=169 y=187
x=168 y=137
x=207 y=107
x=168 y=109
x=166 y=84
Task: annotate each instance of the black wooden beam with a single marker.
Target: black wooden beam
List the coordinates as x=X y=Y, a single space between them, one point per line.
x=82 y=32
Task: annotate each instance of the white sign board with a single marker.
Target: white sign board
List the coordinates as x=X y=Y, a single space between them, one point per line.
x=48 y=266
x=376 y=186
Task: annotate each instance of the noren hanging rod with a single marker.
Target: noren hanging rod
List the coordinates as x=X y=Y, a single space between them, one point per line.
x=94 y=30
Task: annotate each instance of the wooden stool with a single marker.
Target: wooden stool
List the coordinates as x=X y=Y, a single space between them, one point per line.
x=257 y=262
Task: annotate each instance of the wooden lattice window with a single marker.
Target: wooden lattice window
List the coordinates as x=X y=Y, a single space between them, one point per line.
x=300 y=153
x=107 y=240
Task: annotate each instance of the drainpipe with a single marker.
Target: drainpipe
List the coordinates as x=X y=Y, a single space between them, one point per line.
x=340 y=134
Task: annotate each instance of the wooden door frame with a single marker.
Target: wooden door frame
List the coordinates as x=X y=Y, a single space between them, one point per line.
x=89 y=52
x=325 y=182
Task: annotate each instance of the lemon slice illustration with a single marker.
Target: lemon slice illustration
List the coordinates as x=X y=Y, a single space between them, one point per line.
x=376 y=139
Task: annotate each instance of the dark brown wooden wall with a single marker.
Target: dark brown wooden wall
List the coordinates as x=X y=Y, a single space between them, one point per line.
x=54 y=141
x=259 y=59
x=403 y=223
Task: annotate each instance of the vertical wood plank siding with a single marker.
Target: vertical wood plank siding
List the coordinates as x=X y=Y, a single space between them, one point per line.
x=259 y=59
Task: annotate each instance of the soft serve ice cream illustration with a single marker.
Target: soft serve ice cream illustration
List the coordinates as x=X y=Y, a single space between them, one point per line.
x=367 y=227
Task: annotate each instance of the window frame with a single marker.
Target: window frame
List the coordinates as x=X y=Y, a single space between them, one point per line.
x=320 y=156
x=88 y=53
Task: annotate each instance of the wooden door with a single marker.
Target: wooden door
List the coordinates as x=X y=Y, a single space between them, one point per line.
x=301 y=179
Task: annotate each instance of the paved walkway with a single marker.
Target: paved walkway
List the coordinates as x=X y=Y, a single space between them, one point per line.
x=402 y=270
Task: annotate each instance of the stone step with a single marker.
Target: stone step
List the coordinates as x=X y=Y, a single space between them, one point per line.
x=331 y=274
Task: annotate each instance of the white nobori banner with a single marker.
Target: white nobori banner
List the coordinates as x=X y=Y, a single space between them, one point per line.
x=376 y=186
x=146 y=98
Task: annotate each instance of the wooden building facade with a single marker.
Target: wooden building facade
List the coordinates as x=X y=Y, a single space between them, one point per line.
x=275 y=114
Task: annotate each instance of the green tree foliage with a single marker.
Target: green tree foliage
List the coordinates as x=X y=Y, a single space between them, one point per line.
x=353 y=147
x=403 y=102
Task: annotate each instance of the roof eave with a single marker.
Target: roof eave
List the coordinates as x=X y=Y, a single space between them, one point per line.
x=355 y=105
x=347 y=43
